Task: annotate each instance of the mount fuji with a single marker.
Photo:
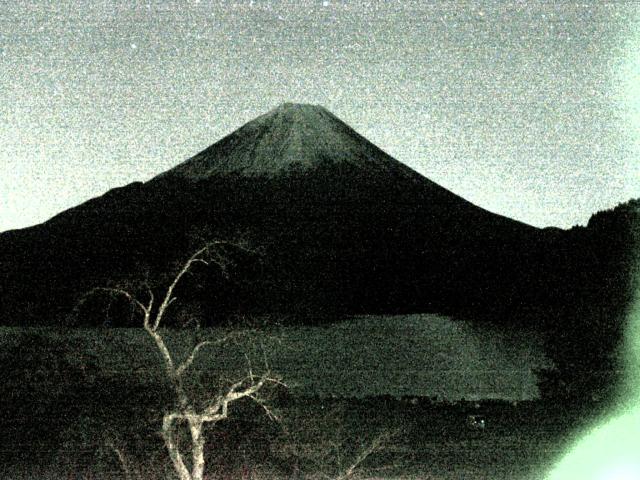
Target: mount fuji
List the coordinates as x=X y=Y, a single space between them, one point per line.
x=338 y=225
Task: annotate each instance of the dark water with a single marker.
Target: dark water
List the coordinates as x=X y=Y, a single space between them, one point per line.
x=420 y=354
x=410 y=355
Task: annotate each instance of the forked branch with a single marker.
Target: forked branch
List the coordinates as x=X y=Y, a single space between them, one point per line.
x=186 y=410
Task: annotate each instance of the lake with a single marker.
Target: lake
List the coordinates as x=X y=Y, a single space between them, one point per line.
x=402 y=355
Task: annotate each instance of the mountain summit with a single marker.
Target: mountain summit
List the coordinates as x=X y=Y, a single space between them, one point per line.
x=290 y=137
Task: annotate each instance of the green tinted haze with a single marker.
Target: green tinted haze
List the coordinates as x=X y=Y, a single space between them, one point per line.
x=609 y=450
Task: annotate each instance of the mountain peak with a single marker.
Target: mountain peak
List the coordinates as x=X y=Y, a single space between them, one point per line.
x=290 y=136
x=298 y=116
x=290 y=108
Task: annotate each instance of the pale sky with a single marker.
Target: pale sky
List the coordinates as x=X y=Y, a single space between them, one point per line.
x=528 y=109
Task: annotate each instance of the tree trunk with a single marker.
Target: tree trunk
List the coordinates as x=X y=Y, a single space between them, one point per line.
x=197 y=449
x=174 y=453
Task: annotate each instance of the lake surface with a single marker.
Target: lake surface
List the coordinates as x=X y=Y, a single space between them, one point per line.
x=419 y=354
x=411 y=355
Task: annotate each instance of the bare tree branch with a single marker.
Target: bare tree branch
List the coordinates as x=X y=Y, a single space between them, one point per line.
x=327 y=451
x=186 y=410
x=119 y=291
x=122 y=459
x=187 y=363
x=194 y=352
x=169 y=295
x=195 y=258
x=377 y=444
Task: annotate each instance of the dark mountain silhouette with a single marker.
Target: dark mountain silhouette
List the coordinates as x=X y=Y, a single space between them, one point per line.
x=341 y=227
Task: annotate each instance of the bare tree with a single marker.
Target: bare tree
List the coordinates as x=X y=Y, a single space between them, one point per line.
x=188 y=412
x=322 y=447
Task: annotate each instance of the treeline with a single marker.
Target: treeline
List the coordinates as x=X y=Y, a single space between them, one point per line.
x=593 y=275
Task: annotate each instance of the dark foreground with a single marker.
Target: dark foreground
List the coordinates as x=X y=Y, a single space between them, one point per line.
x=66 y=414
x=315 y=438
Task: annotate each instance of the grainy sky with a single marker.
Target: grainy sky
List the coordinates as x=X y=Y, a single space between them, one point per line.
x=530 y=109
